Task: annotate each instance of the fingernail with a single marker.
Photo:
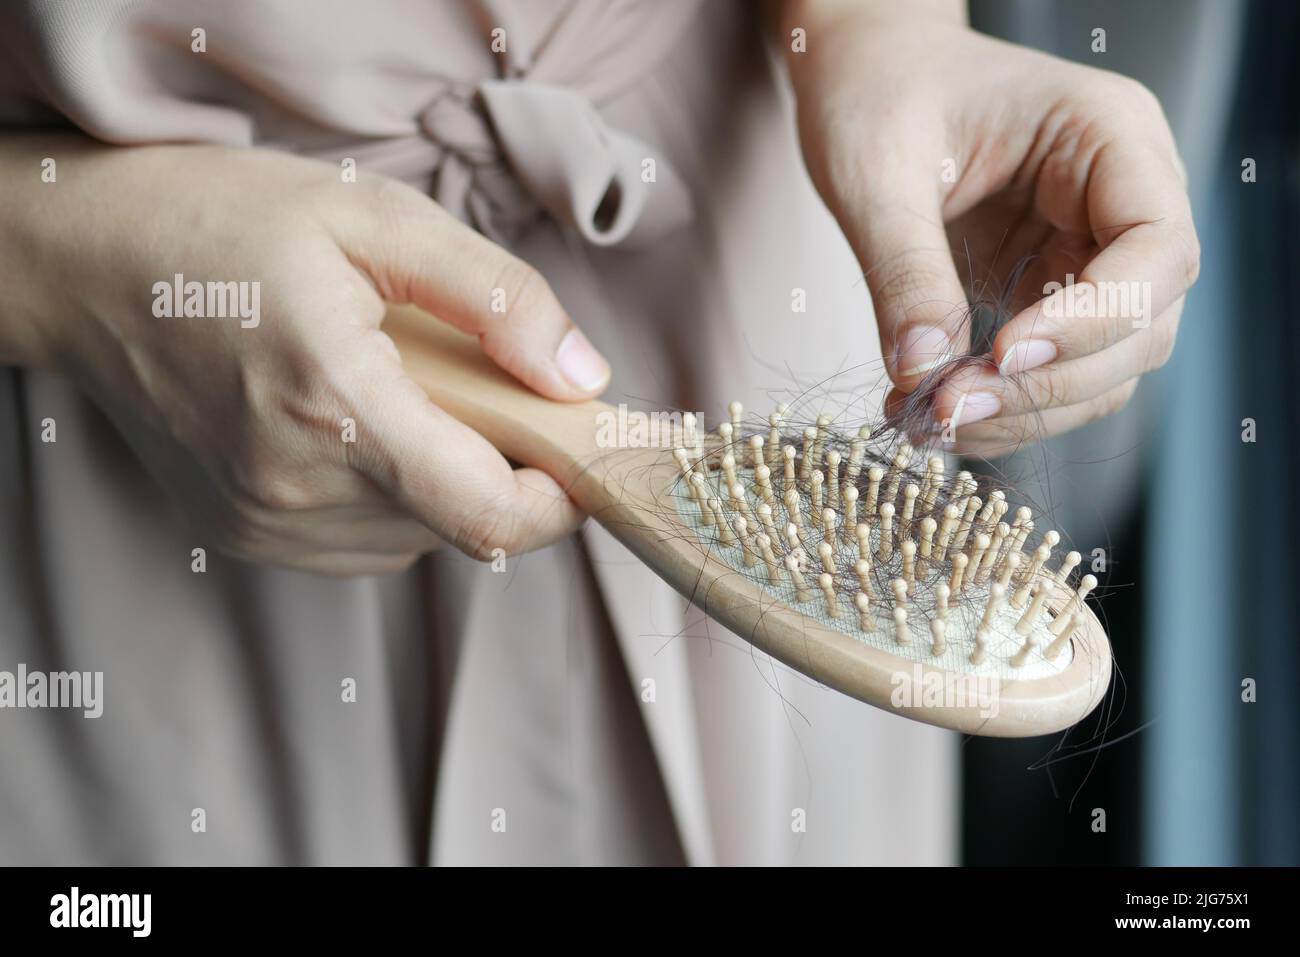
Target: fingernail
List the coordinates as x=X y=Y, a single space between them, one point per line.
x=1027 y=354
x=975 y=406
x=580 y=363
x=921 y=349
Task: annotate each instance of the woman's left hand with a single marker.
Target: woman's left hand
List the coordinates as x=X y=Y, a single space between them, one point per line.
x=925 y=137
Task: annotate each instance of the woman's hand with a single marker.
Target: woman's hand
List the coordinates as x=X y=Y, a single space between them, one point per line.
x=246 y=421
x=924 y=138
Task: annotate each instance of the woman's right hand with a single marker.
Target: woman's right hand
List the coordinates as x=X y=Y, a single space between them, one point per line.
x=244 y=424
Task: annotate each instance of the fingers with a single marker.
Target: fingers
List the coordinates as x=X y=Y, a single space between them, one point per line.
x=451 y=479
x=381 y=531
x=978 y=393
x=416 y=253
x=328 y=544
x=1002 y=436
x=1134 y=204
x=918 y=297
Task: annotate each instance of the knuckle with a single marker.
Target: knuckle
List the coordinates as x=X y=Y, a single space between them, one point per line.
x=235 y=537
x=1163 y=337
x=482 y=533
x=1097 y=325
x=322 y=401
x=317 y=412
x=1116 y=399
x=304 y=392
x=402 y=217
x=1109 y=328
x=270 y=486
x=300 y=430
x=376 y=452
x=905 y=287
x=1050 y=385
x=1132 y=93
x=1140 y=94
x=390 y=199
x=527 y=293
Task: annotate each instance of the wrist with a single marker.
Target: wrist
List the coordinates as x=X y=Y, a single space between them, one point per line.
x=38 y=228
x=824 y=15
x=845 y=25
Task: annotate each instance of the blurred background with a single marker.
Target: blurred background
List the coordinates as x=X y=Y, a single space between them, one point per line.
x=1200 y=529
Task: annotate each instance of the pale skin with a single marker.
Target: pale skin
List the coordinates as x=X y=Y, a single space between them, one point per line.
x=1072 y=165
x=244 y=427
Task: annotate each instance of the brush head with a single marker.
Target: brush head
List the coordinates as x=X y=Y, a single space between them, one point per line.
x=917 y=590
x=928 y=599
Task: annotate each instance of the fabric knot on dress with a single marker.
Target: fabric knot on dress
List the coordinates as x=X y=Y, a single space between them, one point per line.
x=472 y=179
x=512 y=149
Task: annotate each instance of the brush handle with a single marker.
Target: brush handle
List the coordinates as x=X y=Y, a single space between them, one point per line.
x=557 y=437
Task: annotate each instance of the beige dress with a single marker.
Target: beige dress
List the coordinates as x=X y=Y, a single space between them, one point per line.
x=571 y=709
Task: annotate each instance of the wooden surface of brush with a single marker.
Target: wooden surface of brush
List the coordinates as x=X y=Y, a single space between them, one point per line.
x=798 y=589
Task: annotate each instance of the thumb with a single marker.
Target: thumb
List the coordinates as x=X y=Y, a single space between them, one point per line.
x=417 y=253
x=921 y=308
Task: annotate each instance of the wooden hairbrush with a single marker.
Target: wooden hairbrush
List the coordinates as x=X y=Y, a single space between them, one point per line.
x=835 y=555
